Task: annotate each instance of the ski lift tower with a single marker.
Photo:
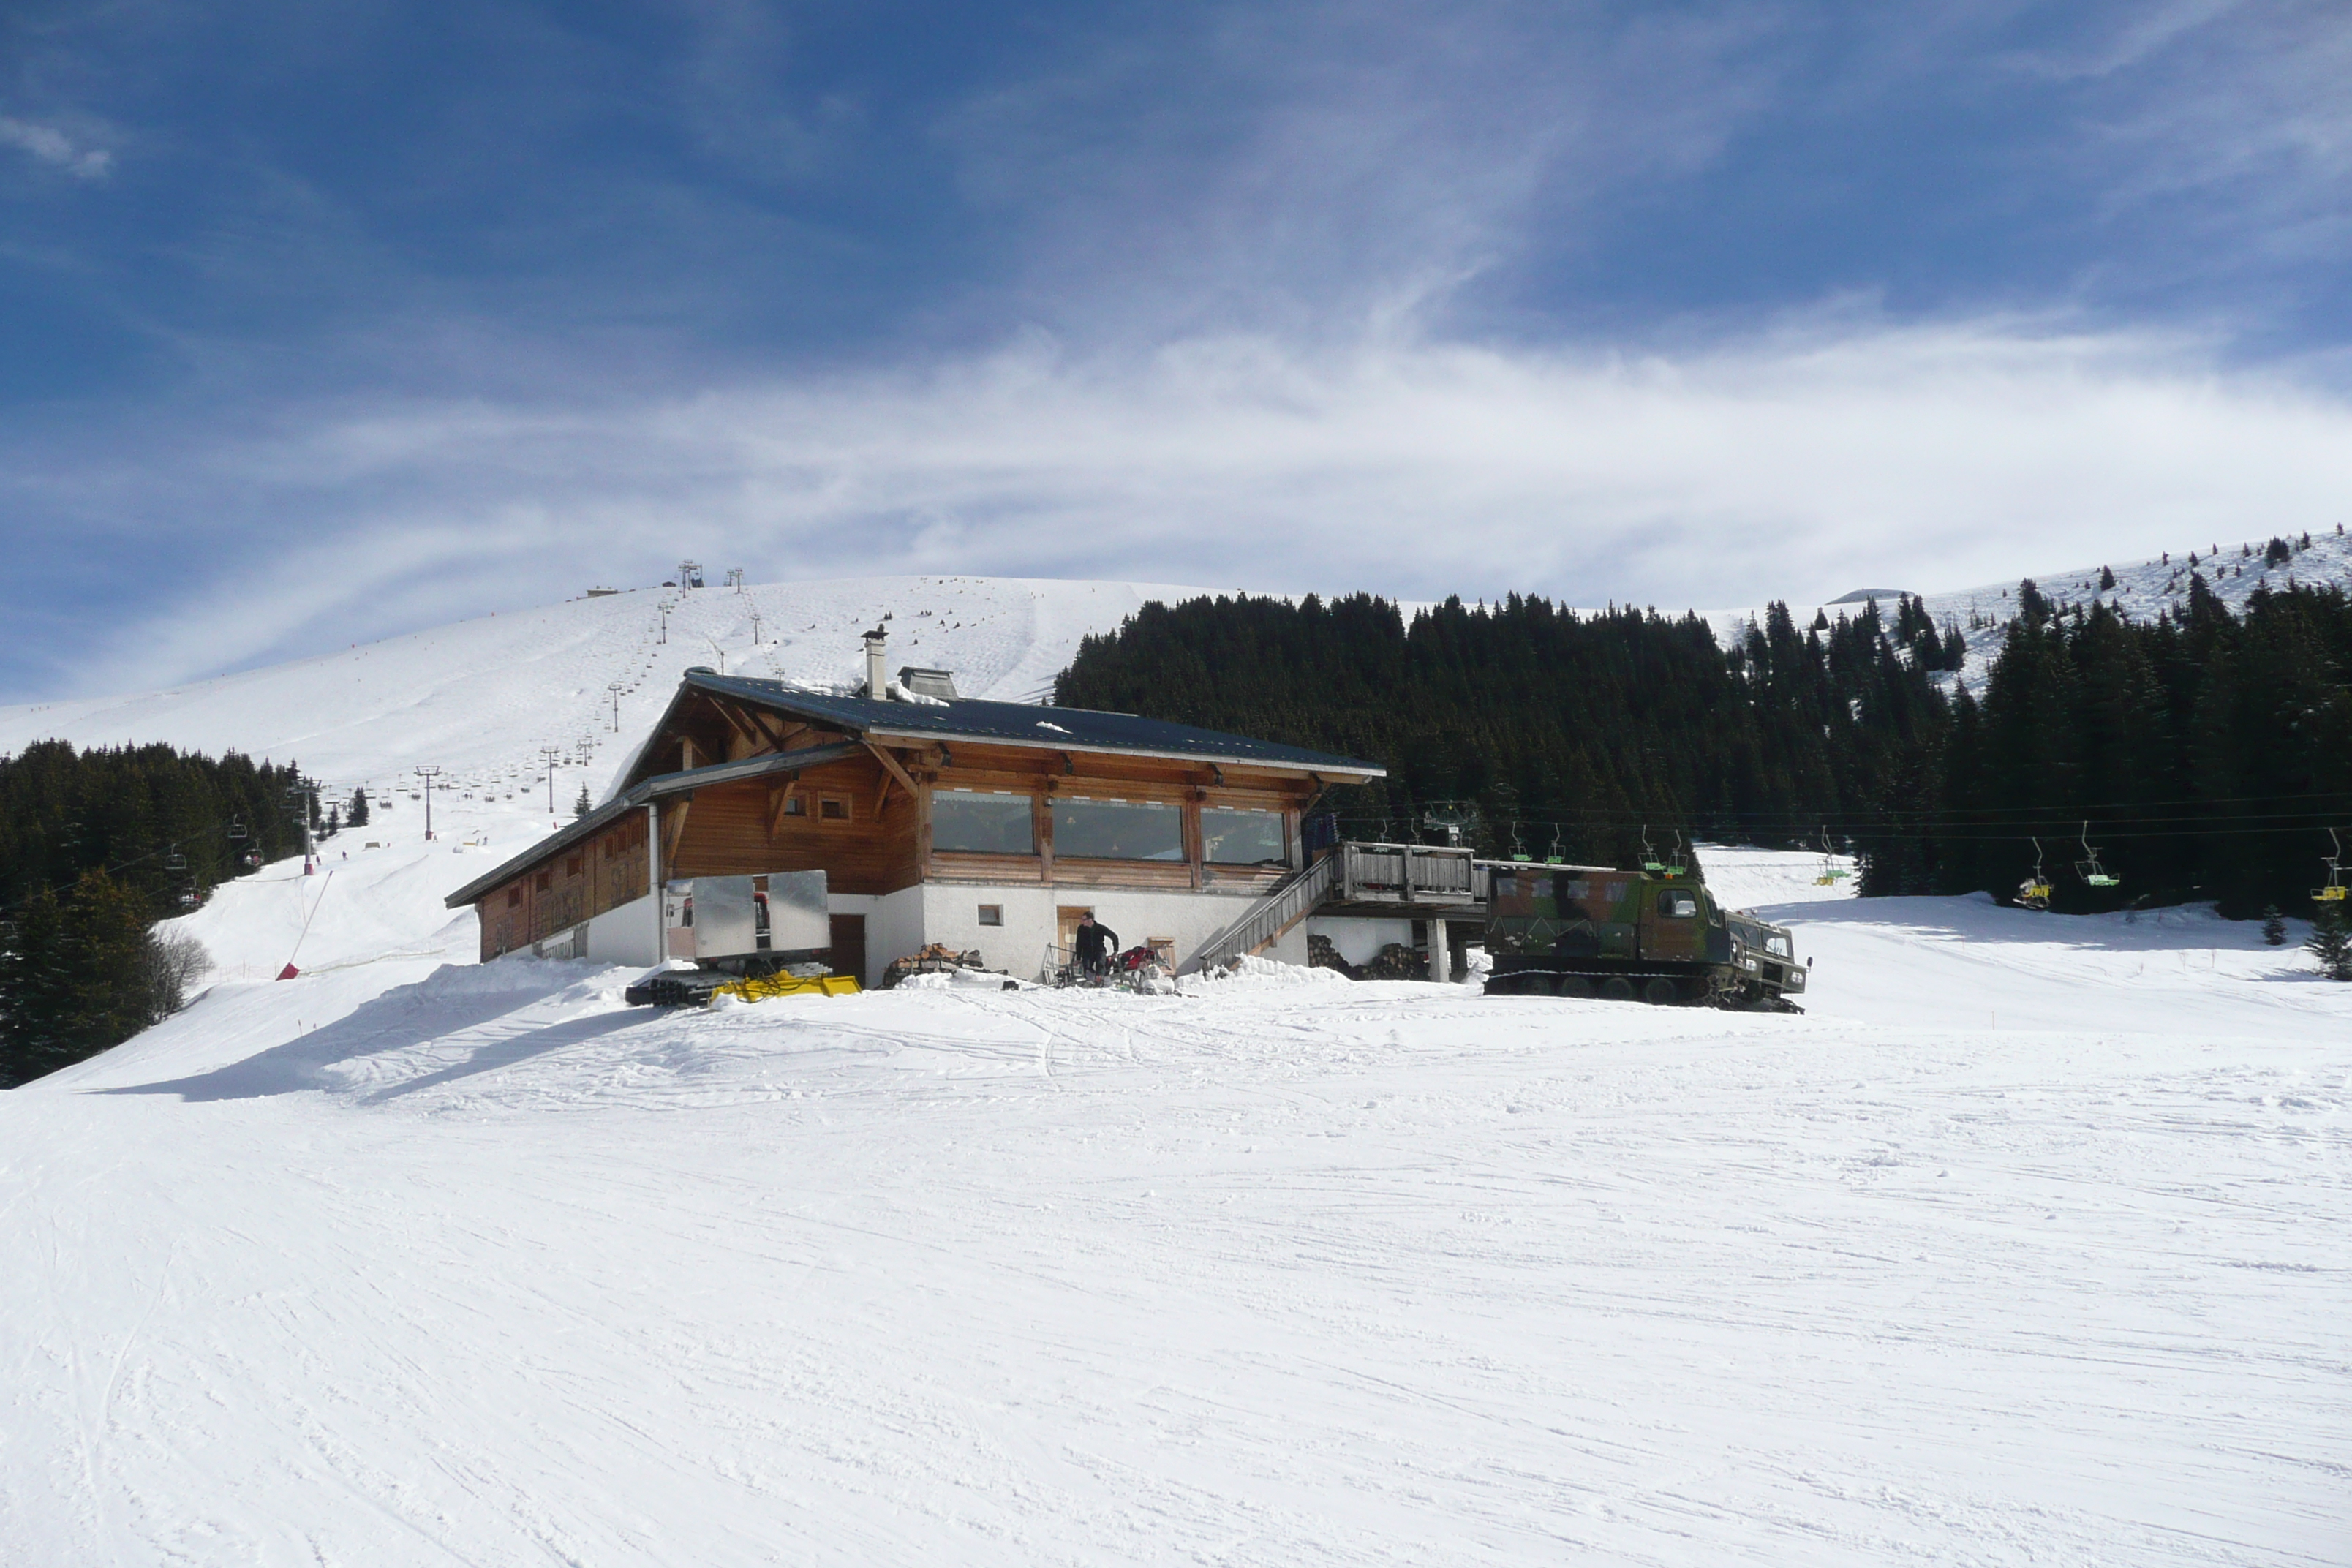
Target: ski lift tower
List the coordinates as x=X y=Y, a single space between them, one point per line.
x=548 y=756
x=665 y=608
x=616 y=688
x=427 y=774
x=689 y=575
x=735 y=578
x=301 y=795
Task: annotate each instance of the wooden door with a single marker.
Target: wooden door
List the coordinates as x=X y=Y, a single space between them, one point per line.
x=1065 y=928
x=849 y=955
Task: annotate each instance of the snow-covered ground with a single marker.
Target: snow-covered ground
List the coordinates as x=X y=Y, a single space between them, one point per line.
x=2026 y=1245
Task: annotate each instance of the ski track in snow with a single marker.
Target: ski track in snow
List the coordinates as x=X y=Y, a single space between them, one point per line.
x=2024 y=1247
x=416 y=1262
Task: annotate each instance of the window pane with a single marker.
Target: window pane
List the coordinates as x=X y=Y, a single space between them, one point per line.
x=981 y=824
x=1241 y=837
x=1117 y=830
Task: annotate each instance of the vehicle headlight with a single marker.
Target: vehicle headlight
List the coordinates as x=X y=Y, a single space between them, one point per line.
x=1749 y=963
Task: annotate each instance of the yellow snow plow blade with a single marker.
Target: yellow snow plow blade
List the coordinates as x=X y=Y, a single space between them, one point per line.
x=786 y=986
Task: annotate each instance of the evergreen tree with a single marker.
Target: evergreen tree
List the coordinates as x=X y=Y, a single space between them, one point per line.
x=2331 y=941
x=583 y=805
x=2273 y=926
x=2106 y=580
x=82 y=974
x=357 y=817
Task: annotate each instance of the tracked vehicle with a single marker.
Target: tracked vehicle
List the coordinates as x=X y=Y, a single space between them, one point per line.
x=1653 y=935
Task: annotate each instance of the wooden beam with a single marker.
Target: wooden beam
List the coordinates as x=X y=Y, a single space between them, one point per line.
x=896 y=771
x=674 y=830
x=736 y=722
x=780 y=796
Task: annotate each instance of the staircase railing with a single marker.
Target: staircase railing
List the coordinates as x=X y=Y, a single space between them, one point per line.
x=1291 y=901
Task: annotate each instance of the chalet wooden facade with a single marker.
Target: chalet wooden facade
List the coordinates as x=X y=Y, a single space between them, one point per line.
x=980 y=825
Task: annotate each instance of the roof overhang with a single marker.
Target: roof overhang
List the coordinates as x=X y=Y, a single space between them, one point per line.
x=882 y=736
x=659 y=787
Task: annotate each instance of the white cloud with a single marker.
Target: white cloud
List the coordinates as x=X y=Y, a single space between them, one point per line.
x=1795 y=465
x=54 y=147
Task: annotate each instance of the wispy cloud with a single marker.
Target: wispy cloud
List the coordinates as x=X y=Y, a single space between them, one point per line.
x=1798 y=463
x=49 y=145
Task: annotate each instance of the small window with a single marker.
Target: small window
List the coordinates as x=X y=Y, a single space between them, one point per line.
x=795 y=805
x=572 y=867
x=1677 y=905
x=832 y=808
x=992 y=914
x=546 y=880
x=514 y=897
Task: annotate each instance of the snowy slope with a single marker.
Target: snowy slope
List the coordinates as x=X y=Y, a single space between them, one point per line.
x=2022 y=1247
x=480 y=698
x=2143 y=590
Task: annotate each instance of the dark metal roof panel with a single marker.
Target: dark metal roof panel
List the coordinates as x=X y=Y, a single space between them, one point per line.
x=1021 y=724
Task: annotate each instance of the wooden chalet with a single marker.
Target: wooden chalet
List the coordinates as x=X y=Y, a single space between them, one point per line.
x=985 y=825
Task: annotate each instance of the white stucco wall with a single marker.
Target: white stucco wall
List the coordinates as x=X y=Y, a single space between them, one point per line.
x=951 y=915
x=894 y=926
x=903 y=922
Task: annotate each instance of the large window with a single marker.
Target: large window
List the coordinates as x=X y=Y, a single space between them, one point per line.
x=1117 y=830
x=1242 y=837
x=982 y=824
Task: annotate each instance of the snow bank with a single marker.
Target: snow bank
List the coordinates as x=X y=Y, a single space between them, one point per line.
x=1248 y=973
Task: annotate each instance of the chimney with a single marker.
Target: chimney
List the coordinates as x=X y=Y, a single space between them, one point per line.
x=877 y=684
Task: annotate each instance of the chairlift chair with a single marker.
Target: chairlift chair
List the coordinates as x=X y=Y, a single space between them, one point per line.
x=1555 y=858
x=2333 y=893
x=1649 y=861
x=174 y=860
x=2088 y=867
x=1518 y=849
x=2033 y=893
x=235 y=828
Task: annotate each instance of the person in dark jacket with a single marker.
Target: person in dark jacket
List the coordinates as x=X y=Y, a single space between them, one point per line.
x=1096 y=944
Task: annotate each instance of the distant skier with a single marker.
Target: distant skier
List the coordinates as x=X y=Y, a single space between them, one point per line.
x=1096 y=944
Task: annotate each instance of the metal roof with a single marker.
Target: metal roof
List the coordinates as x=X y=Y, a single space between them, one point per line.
x=1023 y=724
x=637 y=794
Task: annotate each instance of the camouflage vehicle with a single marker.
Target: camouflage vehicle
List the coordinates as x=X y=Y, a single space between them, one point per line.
x=1588 y=931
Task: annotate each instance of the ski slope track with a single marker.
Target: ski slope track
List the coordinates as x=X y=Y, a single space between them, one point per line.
x=2024 y=1245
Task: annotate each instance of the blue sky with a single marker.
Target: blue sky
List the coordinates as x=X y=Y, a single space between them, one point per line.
x=322 y=322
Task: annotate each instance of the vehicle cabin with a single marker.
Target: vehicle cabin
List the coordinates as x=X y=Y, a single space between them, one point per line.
x=980 y=826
